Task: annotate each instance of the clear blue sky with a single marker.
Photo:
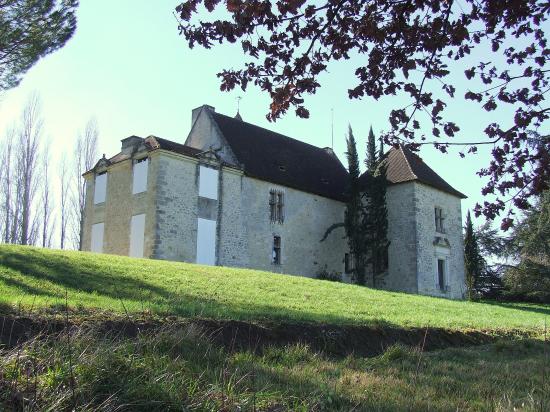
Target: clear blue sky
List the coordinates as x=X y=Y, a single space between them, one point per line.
x=128 y=67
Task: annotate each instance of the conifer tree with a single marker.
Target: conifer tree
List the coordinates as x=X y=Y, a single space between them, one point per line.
x=31 y=29
x=473 y=261
x=371 y=159
x=353 y=214
x=381 y=150
x=375 y=214
x=380 y=243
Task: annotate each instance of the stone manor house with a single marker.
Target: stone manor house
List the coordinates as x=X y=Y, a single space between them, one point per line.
x=236 y=194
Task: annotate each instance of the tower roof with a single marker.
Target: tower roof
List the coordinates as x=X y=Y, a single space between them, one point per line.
x=402 y=165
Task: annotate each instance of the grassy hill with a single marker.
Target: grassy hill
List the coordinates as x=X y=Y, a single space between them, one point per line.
x=32 y=277
x=175 y=364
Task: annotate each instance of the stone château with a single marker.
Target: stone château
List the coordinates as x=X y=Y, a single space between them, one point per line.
x=238 y=195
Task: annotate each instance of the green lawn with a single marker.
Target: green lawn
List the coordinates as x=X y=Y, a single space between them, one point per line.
x=38 y=278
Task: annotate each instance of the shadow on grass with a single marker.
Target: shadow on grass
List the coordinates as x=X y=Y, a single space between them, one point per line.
x=50 y=275
x=72 y=275
x=527 y=307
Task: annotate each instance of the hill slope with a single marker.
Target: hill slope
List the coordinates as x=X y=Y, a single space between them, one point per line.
x=33 y=277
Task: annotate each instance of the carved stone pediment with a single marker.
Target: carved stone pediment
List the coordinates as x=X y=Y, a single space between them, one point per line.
x=441 y=242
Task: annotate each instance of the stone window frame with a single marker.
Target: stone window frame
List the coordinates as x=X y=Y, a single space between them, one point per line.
x=95 y=187
x=277 y=206
x=443 y=254
x=277 y=250
x=134 y=236
x=439 y=219
x=137 y=161
x=208 y=166
x=93 y=232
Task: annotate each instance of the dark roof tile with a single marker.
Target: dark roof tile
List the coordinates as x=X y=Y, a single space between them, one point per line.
x=279 y=159
x=405 y=166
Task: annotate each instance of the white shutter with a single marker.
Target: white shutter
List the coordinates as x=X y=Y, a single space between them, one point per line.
x=206 y=242
x=137 y=235
x=97 y=238
x=100 y=188
x=139 y=183
x=208 y=182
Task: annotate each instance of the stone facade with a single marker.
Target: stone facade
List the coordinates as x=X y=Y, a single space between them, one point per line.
x=416 y=245
x=402 y=257
x=244 y=231
x=432 y=245
x=119 y=207
x=176 y=208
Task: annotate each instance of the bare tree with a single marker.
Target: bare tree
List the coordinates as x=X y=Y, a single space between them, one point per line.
x=28 y=147
x=65 y=181
x=47 y=202
x=7 y=181
x=85 y=157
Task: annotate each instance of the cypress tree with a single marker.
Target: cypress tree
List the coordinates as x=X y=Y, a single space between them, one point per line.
x=375 y=214
x=352 y=217
x=371 y=160
x=380 y=242
x=375 y=221
x=473 y=262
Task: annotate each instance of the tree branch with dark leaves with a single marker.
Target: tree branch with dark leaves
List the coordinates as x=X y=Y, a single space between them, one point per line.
x=290 y=43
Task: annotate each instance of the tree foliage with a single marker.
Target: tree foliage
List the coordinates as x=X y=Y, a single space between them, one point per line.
x=371 y=159
x=530 y=246
x=375 y=214
x=353 y=217
x=473 y=261
x=29 y=30
x=412 y=48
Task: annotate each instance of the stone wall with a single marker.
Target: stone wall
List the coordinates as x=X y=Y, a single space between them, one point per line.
x=306 y=219
x=402 y=264
x=119 y=207
x=176 y=208
x=245 y=231
x=449 y=245
x=233 y=241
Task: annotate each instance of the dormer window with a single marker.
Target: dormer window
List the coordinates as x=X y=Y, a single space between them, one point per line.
x=282 y=168
x=139 y=183
x=100 y=188
x=324 y=181
x=439 y=220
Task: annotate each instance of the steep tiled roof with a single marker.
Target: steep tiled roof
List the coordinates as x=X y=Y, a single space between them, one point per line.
x=279 y=159
x=402 y=165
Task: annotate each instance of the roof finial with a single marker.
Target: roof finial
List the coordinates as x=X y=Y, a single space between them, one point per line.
x=238 y=115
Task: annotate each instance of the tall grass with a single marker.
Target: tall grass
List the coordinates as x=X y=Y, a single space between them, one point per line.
x=182 y=369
